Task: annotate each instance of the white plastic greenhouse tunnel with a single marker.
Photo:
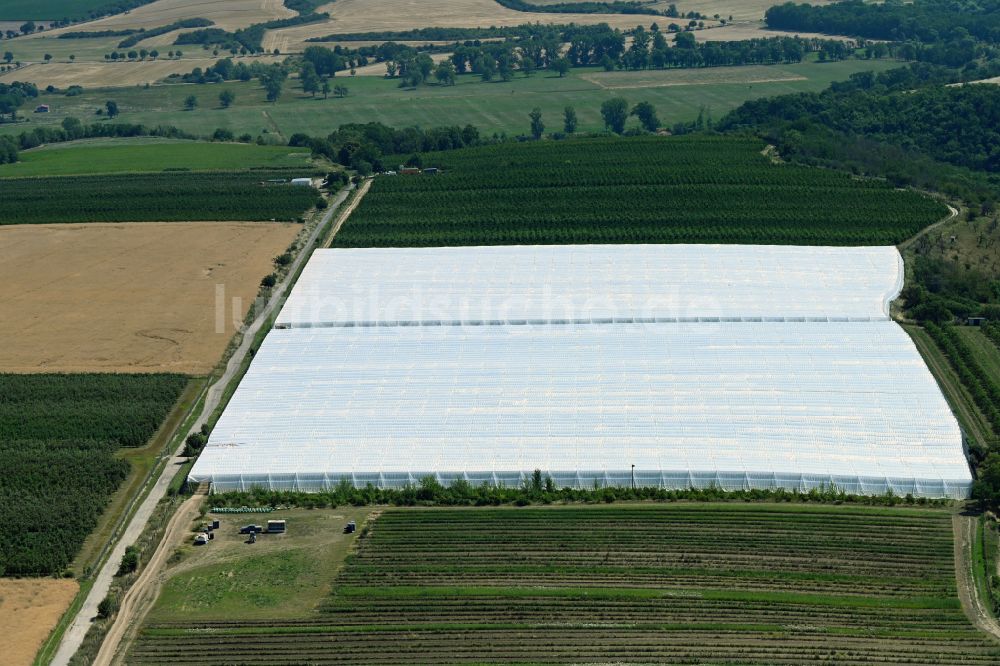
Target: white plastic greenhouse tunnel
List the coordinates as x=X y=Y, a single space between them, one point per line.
x=736 y=367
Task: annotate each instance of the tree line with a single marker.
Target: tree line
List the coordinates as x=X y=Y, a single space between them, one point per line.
x=364 y=147
x=926 y=21
x=589 y=7
x=539 y=488
x=606 y=47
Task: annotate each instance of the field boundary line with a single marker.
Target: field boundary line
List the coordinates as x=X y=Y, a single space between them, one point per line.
x=213 y=396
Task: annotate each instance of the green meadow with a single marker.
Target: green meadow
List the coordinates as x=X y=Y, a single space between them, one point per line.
x=498 y=106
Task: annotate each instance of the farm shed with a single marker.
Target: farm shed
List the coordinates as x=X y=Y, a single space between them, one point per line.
x=695 y=390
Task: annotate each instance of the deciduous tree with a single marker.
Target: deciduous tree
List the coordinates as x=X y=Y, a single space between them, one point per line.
x=646 y=114
x=615 y=112
x=569 y=120
x=537 y=126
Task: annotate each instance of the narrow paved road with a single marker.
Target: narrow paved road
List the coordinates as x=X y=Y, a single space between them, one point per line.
x=73 y=637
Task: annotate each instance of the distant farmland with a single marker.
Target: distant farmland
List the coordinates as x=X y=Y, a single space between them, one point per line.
x=638 y=190
x=680 y=583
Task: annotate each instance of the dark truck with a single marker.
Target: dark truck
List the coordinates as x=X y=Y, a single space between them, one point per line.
x=251 y=529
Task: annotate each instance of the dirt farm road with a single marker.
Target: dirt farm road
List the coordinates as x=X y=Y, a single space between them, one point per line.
x=75 y=633
x=140 y=597
x=968 y=592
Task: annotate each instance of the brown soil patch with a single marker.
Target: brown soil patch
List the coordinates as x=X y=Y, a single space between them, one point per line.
x=109 y=74
x=29 y=609
x=129 y=297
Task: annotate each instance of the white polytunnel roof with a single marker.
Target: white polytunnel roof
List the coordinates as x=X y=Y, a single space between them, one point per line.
x=839 y=397
x=593 y=283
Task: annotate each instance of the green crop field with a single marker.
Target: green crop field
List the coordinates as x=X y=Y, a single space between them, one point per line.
x=678 y=95
x=58 y=438
x=676 y=583
x=17 y=10
x=165 y=197
x=632 y=190
x=122 y=155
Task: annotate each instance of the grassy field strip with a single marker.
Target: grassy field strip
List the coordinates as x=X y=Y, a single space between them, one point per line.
x=96 y=157
x=986 y=352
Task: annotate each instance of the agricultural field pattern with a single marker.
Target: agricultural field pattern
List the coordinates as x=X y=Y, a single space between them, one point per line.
x=741 y=584
x=636 y=190
x=499 y=331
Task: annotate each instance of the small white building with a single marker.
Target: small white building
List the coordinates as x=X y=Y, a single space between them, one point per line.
x=302 y=181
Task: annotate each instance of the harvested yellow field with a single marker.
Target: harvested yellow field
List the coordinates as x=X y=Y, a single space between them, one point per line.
x=227 y=14
x=29 y=609
x=109 y=74
x=375 y=15
x=750 y=30
x=139 y=297
x=663 y=78
x=740 y=10
x=353 y=16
